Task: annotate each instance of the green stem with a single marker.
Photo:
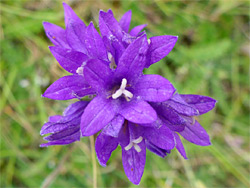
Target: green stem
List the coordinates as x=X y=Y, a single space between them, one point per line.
x=92 y=143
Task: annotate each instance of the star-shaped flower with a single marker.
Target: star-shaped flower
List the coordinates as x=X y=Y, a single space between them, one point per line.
x=134 y=139
x=178 y=114
x=123 y=91
x=175 y=115
x=117 y=38
x=64 y=129
x=133 y=110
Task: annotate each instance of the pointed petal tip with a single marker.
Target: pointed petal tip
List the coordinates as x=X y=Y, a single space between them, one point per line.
x=44 y=23
x=42 y=132
x=102 y=12
x=44 y=95
x=102 y=164
x=43 y=145
x=65 y=5
x=85 y=133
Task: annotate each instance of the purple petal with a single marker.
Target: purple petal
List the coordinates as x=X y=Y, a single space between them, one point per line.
x=60 y=126
x=125 y=21
x=108 y=45
x=137 y=29
x=154 y=88
x=104 y=146
x=94 y=43
x=159 y=47
x=156 y=150
x=172 y=127
x=134 y=162
x=124 y=137
x=133 y=59
x=68 y=87
x=179 y=146
x=75 y=33
x=72 y=109
x=112 y=34
x=180 y=106
x=162 y=137
x=196 y=134
x=73 y=132
x=202 y=103
x=156 y=124
x=128 y=39
x=69 y=14
x=138 y=112
x=96 y=115
x=58 y=142
x=56 y=34
x=168 y=113
x=45 y=126
x=97 y=74
x=113 y=128
x=55 y=118
x=70 y=60
x=109 y=25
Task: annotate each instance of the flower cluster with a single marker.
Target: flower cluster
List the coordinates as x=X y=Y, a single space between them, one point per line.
x=129 y=108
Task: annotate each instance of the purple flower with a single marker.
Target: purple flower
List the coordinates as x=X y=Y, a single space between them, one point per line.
x=178 y=114
x=78 y=44
x=117 y=38
x=134 y=139
x=124 y=91
x=175 y=115
x=64 y=129
x=133 y=110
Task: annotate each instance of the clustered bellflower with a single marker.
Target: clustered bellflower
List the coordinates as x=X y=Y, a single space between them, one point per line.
x=130 y=109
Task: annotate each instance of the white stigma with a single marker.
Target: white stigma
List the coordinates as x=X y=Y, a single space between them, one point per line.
x=134 y=144
x=127 y=94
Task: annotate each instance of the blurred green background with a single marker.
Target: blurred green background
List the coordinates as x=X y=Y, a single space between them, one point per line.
x=210 y=58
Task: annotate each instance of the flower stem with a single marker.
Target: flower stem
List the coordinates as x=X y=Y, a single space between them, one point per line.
x=92 y=144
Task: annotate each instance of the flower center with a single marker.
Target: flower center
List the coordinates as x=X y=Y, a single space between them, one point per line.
x=122 y=91
x=134 y=144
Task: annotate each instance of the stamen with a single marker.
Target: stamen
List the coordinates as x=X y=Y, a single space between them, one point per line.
x=127 y=94
x=137 y=148
x=128 y=147
x=149 y=41
x=138 y=140
x=117 y=94
x=134 y=144
x=124 y=83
